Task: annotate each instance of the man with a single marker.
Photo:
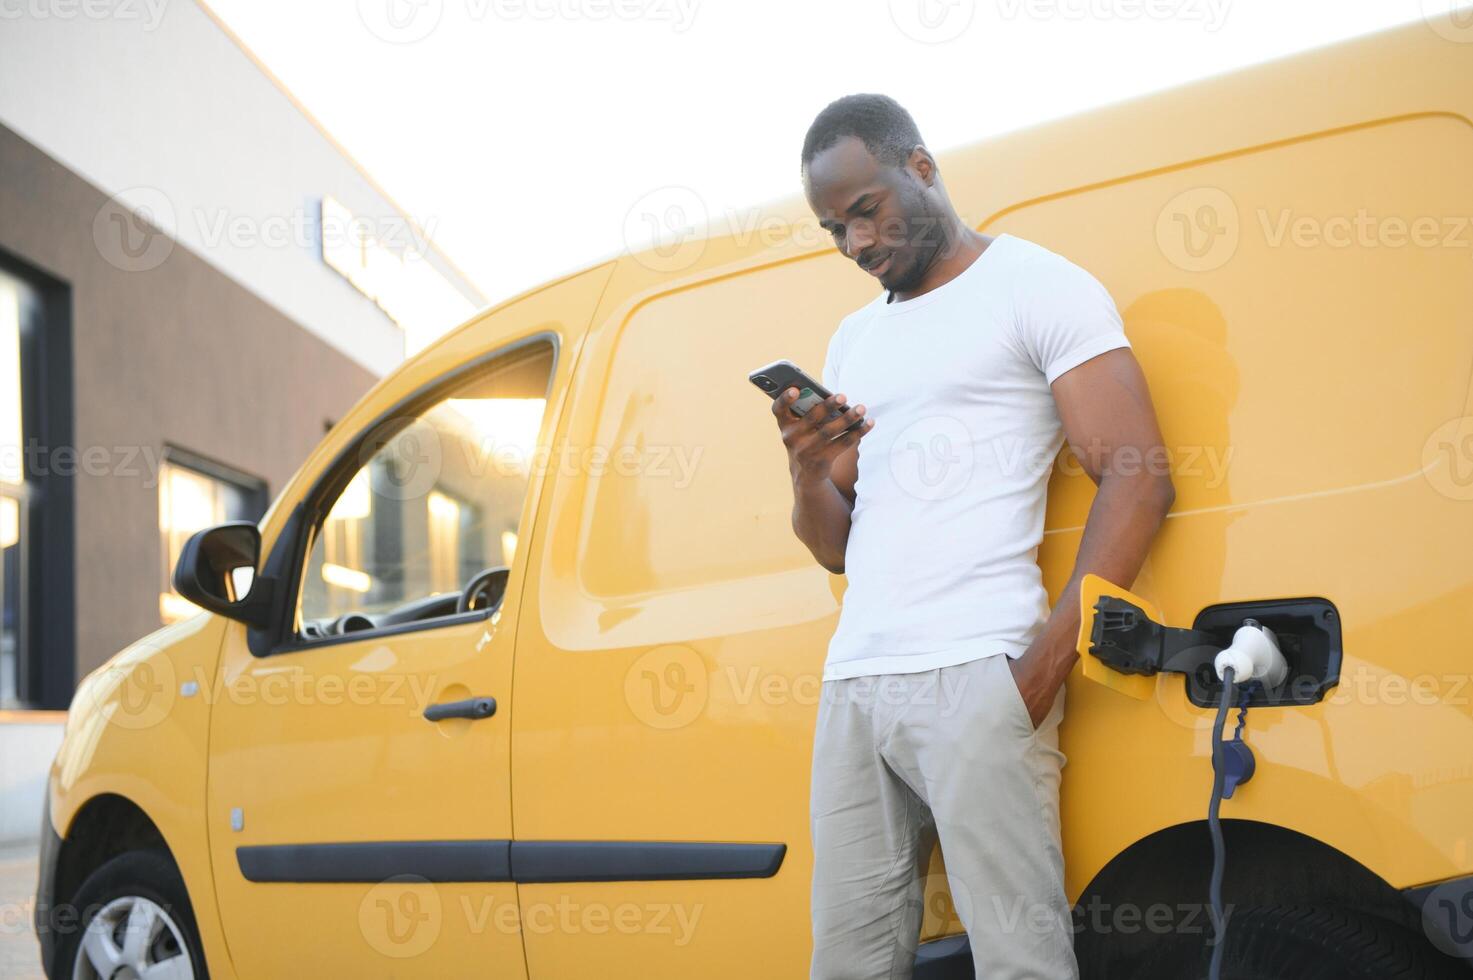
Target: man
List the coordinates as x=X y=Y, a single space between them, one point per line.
x=979 y=356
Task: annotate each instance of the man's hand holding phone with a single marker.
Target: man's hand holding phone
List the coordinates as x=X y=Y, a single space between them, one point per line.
x=819 y=429
x=819 y=436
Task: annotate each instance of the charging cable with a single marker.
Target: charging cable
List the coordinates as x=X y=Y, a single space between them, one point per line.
x=1253 y=655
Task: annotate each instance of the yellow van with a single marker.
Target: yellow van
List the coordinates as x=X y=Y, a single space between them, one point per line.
x=518 y=675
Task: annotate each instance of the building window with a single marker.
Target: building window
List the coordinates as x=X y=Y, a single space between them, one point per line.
x=37 y=601
x=13 y=508
x=194 y=494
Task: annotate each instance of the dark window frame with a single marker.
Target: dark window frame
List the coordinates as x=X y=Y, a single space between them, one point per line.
x=287 y=563
x=46 y=665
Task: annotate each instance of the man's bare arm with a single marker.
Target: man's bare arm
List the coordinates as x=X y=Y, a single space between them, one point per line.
x=822 y=461
x=1106 y=411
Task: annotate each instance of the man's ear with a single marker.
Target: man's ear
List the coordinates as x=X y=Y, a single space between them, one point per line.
x=923 y=164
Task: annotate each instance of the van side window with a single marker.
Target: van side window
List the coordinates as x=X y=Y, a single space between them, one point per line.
x=436 y=503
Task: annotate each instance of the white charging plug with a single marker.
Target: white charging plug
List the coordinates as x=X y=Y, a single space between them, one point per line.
x=1253 y=655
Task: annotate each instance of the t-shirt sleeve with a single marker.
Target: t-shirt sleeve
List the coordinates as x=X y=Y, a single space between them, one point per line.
x=1065 y=316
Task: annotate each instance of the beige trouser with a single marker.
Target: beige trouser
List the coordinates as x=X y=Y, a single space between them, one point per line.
x=902 y=759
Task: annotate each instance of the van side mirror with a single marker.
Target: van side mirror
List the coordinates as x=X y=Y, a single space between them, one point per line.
x=217 y=572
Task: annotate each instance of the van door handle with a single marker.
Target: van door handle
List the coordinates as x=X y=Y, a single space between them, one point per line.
x=472 y=708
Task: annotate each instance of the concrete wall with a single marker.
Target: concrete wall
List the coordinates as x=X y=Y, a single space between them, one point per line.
x=155 y=103
x=179 y=355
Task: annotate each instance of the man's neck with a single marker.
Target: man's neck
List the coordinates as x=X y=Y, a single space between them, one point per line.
x=967 y=250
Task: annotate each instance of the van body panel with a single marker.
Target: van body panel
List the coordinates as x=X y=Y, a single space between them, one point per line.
x=323 y=758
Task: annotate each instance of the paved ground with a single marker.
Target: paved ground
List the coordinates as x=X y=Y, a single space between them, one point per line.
x=20 y=958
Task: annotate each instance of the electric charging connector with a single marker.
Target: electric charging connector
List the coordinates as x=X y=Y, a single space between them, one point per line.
x=1254 y=655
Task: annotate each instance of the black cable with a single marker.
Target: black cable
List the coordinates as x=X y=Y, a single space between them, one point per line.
x=1214 y=824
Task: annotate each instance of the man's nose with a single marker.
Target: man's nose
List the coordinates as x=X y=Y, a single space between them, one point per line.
x=857 y=241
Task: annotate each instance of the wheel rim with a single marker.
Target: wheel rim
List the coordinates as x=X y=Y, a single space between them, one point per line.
x=132 y=938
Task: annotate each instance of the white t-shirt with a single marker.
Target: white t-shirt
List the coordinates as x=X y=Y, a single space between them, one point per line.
x=942 y=558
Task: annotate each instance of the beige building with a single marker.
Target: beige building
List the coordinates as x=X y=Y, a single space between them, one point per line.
x=195 y=280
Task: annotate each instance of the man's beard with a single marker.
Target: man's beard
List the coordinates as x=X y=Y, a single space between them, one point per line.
x=933 y=246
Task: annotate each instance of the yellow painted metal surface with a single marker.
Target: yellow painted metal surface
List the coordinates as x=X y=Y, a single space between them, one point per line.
x=1285 y=254
x=133 y=730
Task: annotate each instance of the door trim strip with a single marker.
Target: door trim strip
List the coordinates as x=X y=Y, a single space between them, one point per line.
x=505 y=860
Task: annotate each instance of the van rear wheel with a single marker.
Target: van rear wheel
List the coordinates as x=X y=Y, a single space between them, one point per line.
x=1293 y=943
x=135 y=921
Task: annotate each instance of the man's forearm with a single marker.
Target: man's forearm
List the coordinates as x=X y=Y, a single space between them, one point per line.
x=1123 y=521
x=821 y=520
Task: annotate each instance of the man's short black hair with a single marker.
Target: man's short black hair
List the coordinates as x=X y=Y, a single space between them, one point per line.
x=881 y=123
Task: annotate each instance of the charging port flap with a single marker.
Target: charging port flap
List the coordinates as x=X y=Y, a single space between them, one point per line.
x=1140 y=686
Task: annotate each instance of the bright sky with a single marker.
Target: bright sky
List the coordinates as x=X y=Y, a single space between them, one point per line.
x=529 y=137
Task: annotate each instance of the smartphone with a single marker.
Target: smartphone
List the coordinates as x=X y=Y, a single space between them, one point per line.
x=779 y=376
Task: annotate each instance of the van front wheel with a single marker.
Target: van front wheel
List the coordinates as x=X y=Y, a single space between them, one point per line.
x=1309 y=944
x=134 y=920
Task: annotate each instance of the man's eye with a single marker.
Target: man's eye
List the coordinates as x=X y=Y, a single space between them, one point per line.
x=869 y=213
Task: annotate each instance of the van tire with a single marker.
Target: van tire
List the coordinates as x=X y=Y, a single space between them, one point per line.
x=1297 y=943
x=147 y=875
